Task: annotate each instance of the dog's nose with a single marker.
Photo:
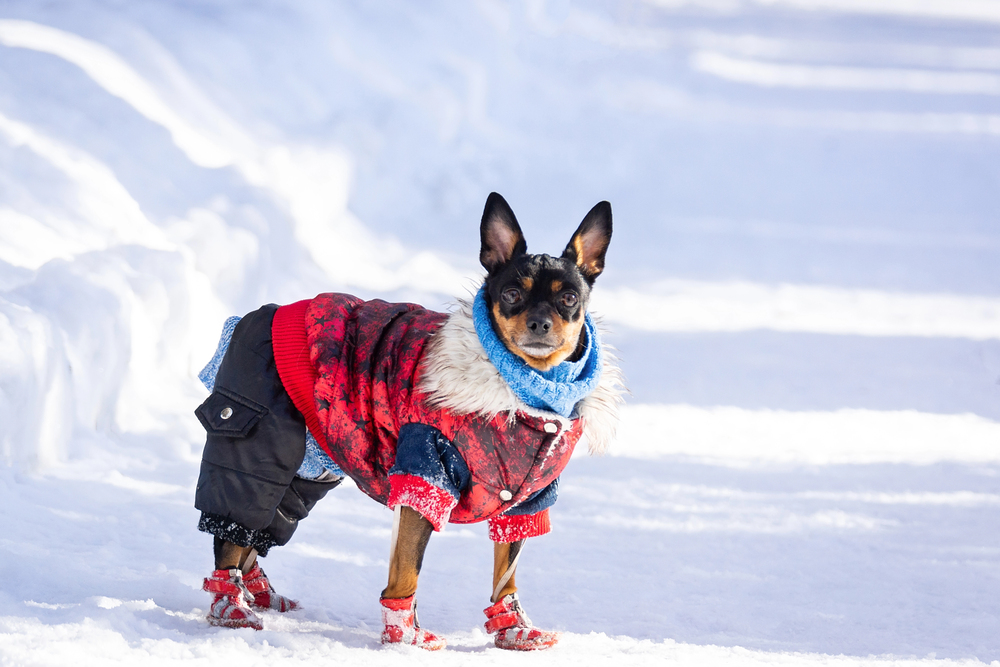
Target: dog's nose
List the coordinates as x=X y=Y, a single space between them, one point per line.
x=539 y=324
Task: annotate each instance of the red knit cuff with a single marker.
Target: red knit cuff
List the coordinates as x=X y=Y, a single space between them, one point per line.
x=290 y=343
x=519 y=527
x=431 y=502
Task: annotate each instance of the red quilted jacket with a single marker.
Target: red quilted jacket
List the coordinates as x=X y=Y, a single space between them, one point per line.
x=353 y=368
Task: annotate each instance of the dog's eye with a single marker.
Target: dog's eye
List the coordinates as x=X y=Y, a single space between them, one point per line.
x=569 y=299
x=511 y=295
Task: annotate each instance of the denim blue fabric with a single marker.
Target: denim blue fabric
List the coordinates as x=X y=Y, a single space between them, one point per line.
x=538 y=501
x=211 y=369
x=316 y=461
x=423 y=451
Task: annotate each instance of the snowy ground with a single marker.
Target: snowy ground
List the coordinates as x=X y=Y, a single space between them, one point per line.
x=802 y=286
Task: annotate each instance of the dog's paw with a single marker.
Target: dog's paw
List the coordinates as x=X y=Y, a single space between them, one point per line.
x=413 y=637
x=229 y=606
x=237 y=618
x=525 y=639
x=514 y=630
x=263 y=594
x=399 y=618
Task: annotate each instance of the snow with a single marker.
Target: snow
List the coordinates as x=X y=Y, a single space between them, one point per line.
x=802 y=286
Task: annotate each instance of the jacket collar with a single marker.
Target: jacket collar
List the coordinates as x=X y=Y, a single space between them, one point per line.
x=456 y=374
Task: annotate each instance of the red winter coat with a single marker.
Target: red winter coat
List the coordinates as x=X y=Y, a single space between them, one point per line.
x=354 y=369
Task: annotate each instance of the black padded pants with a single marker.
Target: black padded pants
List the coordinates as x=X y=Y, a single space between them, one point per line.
x=247 y=489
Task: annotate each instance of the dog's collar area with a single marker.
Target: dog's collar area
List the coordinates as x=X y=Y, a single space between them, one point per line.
x=558 y=389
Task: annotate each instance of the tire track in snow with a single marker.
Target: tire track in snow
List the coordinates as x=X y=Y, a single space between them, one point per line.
x=733 y=436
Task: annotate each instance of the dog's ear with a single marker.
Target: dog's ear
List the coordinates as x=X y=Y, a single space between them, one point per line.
x=501 y=236
x=590 y=242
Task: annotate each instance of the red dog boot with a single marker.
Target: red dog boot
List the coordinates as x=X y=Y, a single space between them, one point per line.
x=229 y=608
x=263 y=595
x=399 y=616
x=514 y=629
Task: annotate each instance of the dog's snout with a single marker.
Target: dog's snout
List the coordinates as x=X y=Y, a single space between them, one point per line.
x=539 y=323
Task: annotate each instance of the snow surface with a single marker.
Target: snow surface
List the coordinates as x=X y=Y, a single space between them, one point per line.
x=802 y=287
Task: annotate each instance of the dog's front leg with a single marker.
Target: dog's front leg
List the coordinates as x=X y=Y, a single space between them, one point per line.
x=505 y=557
x=411 y=533
x=505 y=618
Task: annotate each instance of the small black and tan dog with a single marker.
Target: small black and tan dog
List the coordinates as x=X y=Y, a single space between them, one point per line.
x=455 y=418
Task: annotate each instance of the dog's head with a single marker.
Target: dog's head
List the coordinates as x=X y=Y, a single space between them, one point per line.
x=537 y=302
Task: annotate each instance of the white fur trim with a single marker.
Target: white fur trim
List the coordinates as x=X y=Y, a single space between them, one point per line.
x=458 y=376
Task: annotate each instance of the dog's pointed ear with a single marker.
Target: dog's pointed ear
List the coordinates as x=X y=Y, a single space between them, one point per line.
x=501 y=236
x=590 y=242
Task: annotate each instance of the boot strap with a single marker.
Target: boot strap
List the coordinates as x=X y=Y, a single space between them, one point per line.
x=507 y=613
x=231 y=586
x=510 y=619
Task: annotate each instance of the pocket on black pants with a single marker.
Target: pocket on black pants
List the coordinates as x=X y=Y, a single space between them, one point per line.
x=228 y=414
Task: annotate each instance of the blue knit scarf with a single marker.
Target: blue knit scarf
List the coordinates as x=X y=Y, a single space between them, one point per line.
x=558 y=389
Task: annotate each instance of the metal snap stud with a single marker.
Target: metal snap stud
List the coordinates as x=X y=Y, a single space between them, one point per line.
x=226 y=413
x=550 y=427
x=506 y=495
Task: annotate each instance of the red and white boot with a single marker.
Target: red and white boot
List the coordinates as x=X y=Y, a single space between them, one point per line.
x=230 y=608
x=263 y=595
x=399 y=616
x=513 y=628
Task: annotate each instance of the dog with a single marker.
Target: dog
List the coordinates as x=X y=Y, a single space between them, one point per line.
x=443 y=418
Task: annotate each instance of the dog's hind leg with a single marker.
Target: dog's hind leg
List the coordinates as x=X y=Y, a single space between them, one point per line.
x=249 y=561
x=229 y=556
x=231 y=602
x=411 y=532
x=250 y=581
